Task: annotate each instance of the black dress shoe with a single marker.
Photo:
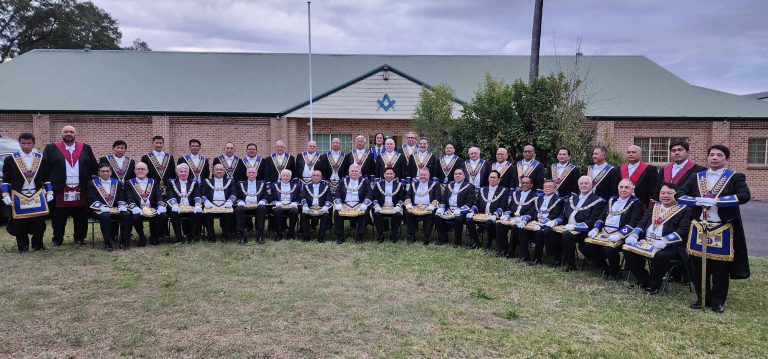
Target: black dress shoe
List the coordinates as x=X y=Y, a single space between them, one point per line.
x=57 y=244
x=80 y=242
x=718 y=308
x=534 y=262
x=569 y=268
x=651 y=291
x=696 y=305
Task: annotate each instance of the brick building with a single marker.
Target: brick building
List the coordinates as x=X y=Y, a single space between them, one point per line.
x=261 y=98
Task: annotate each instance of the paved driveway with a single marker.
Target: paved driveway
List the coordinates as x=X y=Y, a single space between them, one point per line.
x=755 y=217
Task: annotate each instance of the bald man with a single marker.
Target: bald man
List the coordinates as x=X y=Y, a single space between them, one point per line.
x=507 y=170
x=307 y=162
x=361 y=156
x=531 y=168
x=277 y=162
x=642 y=174
x=233 y=167
x=71 y=165
x=476 y=168
x=144 y=192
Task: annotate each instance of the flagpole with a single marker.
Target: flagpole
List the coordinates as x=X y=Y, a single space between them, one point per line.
x=309 y=26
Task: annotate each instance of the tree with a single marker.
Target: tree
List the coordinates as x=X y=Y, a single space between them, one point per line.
x=434 y=114
x=54 y=24
x=138 y=45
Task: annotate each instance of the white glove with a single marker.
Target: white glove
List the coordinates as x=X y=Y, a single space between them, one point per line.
x=175 y=209
x=659 y=244
x=104 y=209
x=337 y=206
x=305 y=209
x=324 y=209
x=7 y=200
x=569 y=227
x=430 y=208
x=240 y=203
x=136 y=210
x=49 y=197
x=614 y=237
x=376 y=208
x=399 y=209
x=294 y=205
x=592 y=233
x=706 y=202
x=408 y=206
x=492 y=218
x=504 y=217
x=363 y=207
x=536 y=227
x=208 y=204
x=520 y=225
x=198 y=209
x=161 y=210
x=228 y=204
x=122 y=208
x=551 y=224
x=470 y=215
x=440 y=211
x=262 y=203
x=631 y=240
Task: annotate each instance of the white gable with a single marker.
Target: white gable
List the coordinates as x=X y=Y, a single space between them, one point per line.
x=372 y=97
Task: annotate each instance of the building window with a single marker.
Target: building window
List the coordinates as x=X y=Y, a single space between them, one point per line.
x=656 y=149
x=324 y=141
x=758 y=151
x=372 y=139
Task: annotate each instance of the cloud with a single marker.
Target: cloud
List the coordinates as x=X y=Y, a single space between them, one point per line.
x=721 y=45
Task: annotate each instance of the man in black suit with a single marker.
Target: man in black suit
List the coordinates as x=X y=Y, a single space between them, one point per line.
x=424 y=193
x=476 y=168
x=122 y=166
x=218 y=193
x=547 y=207
x=507 y=170
x=251 y=159
x=107 y=195
x=579 y=215
x=253 y=194
x=521 y=201
x=286 y=195
x=315 y=205
x=25 y=172
x=492 y=201
x=361 y=156
x=307 y=162
x=71 y=165
x=332 y=164
x=198 y=165
x=142 y=194
x=531 y=168
x=716 y=195
x=666 y=225
x=448 y=164
x=388 y=193
x=389 y=158
x=620 y=216
x=159 y=163
x=605 y=177
x=277 y=162
x=458 y=199
x=564 y=174
x=680 y=171
x=642 y=174
x=422 y=158
x=353 y=192
x=183 y=194
x=233 y=167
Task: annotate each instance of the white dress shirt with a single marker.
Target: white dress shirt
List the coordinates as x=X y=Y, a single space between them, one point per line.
x=307 y=171
x=582 y=199
x=474 y=180
x=143 y=183
x=316 y=193
x=453 y=200
x=614 y=220
x=28 y=186
x=650 y=231
x=335 y=172
x=491 y=195
x=73 y=172
x=544 y=206
x=422 y=194
x=677 y=167
x=632 y=167
x=560 y=168
x=389 y=187
x=352 y=198
x=523 y=197
x=712 y=178
x=184 y=200
x=285 y=195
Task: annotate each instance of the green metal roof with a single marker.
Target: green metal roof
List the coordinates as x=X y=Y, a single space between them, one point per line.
x=272 y=84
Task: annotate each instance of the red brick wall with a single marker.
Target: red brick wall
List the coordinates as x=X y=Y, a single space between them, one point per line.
x=365 y=127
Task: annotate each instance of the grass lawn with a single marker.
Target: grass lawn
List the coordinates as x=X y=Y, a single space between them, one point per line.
x=291 y=300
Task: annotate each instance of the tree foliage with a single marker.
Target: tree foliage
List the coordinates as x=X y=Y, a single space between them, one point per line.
x=434 y=114
x=138 y=45
x=54 y=24
x=547 y=113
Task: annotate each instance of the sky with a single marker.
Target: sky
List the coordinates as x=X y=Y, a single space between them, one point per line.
x=722 y=45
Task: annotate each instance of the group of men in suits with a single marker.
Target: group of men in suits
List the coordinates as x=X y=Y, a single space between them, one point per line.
x=515 y=206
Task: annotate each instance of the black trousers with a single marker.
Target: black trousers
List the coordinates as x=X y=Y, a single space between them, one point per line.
x=412 y=221
x=225 y=222
x=29 y=226
x=59 y=216
x=156 y=227
x=111 y=224
x=280 y=216
x=603 y=257
x=506 y=245
x=443 y=225
x=360 y=222
x=308 y=222
x=660 y=264
x=490 y=233
x=395 y=221
x=569 y=242
x=186 y=225
x=718 y=279
x=553 y=242
x=242 y=222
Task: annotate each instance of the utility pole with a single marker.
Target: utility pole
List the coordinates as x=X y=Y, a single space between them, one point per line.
x=535 y=40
